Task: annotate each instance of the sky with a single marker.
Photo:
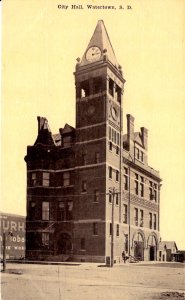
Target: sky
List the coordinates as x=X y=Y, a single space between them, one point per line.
x=40 y=45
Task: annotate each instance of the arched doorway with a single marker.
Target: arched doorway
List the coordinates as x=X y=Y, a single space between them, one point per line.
x=64 y=244
x=152 y=247
x=138 y=244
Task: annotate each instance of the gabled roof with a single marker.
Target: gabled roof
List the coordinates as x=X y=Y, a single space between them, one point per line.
x=67 y=129
x=101 y=39
x=138 y=139
x=168 y=245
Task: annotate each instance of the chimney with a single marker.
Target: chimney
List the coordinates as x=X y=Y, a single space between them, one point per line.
x=130 y=133
x=144 y=137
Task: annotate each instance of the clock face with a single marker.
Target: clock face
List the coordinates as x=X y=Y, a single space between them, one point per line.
x=114 y=113
x=93 y=54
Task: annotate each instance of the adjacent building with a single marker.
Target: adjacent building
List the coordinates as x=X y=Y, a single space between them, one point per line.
x=90 y=191
x=12 y=229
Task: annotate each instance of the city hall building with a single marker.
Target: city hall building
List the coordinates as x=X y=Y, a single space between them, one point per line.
x=90 y=192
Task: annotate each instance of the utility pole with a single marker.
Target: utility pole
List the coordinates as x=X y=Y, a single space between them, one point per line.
x=4 y=249
x=112 y=236
x=129 y=215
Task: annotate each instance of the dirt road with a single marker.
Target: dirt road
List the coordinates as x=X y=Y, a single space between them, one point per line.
x=89 y=282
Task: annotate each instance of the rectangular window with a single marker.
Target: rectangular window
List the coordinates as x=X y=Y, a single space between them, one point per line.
x=82 y=243
x=45 y=238
x=61 y=211
x=110 y=135
x=45 y=210
x=110 y=172
x=142 y=186
x=126 y=242
x=110 y=146
x=95 y=228
x=85 y=89
x=137 y=153
x=117 y=230
x=155 y=192
x=33 y=179
x=117 y=175
x=96 y=196
x=117 y=198
x=69 y=210
x=66 y=178
x=125 y=213
x=117 y=138
x=45 y=179
x=126 y=179
x=110 y=229
x=136 y=216
x=136 y=184
x=97 y=85
x=84 y=186
x=151 y=191
x=111 y=87
x=141 y=218
x=117 y=150
x=155 y=222
x=110 y=197
x=97 y=157
x=118 y=94
x=141 y=156
x=32 y=210
x=150 y=220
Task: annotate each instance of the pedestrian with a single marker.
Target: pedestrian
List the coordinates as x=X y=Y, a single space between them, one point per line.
x=124 y=256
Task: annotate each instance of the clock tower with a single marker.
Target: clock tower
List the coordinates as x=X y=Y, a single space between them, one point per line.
x=99 y=96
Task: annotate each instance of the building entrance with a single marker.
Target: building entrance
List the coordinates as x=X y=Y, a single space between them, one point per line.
x=64 y=244
x=152 y=253
x=139 y=250
x=152 y=246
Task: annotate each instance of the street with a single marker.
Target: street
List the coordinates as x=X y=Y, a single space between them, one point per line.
x=143 y=281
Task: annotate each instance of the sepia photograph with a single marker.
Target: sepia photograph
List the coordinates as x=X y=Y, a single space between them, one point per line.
x=92 y=150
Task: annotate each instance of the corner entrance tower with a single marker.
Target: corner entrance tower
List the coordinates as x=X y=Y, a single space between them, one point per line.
x=99 y=89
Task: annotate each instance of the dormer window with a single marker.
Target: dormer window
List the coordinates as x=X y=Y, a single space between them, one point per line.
x=139 y=154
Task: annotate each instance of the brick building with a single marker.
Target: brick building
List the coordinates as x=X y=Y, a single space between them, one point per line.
x=91 y=187
x=13 y=226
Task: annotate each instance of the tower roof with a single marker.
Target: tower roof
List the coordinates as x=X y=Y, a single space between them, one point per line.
x=101 y=40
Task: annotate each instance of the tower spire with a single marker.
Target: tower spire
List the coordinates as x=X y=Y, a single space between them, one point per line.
x=100 y=40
